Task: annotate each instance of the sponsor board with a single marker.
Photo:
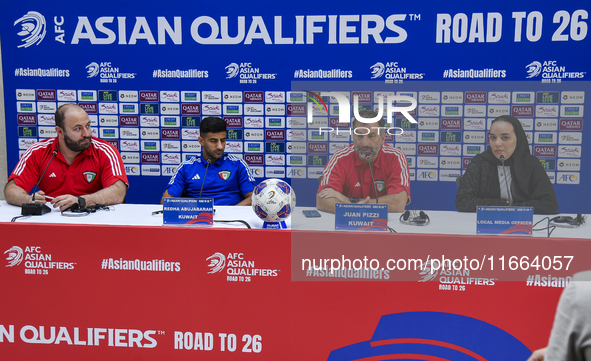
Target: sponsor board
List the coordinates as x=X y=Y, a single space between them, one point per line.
x=452 y=97
x=423 y=123
x=408 y=149
x=568 y=177
x=211 y=96
x=427 y=175
x=545 y=137
x=427 y=162
x=572 y=97
x=499 y=97
x=191 y=146
x=190 y=96
x=570 y=138
x=130 y=133
x=475 y=110
x=149 y=133
x=234 y=147
x=149 y=145
x=170 y=145
x=523 y=97
x=473 y=149
x=131 y=96
x=132 y=169
x=47 y=132
x=130 y=145
x=170 y=121
x=474 y=137
x=474 y=124
x=130 y=157
x=150 y=170
x=275 y=172
x=565 y=110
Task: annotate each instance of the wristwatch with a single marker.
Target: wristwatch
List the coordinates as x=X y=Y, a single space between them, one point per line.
x=81 y=203
x=354 y=200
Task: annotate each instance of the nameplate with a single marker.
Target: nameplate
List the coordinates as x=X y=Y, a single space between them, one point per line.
x=361 y=217
x=187 y=211
x=504 y=220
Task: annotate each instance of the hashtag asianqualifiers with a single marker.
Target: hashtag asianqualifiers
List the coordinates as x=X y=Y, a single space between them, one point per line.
x=155 y=265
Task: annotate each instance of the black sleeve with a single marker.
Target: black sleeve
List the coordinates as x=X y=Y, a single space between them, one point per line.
x=469 y=186
x=542 y=196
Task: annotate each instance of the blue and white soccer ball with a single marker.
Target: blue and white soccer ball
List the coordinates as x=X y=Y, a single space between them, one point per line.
x=273 y=200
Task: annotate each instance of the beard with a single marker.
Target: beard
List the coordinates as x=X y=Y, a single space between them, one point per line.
x=76 y=146
x=363 y=153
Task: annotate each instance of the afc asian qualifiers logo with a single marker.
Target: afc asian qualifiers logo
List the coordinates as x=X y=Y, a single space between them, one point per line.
x=217 y=262
x=428 y=336
x=92 y=69
x=232 y=70
x=15 y=256
x=33 y=29
x=534 y=69
x=377 y=70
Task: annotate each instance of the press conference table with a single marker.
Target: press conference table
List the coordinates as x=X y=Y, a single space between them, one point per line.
x=131 y=288
x=441 y=222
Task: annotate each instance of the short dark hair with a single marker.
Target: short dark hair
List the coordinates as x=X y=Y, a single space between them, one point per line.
x=60 y=113
x=368 y=114
x=212 y=125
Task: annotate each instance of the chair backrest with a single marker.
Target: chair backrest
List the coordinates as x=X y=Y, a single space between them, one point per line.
x=458 y=181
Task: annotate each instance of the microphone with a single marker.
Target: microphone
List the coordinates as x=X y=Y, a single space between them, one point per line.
x=510 y=201
x=372 y=180
x=202 y=183
x=37 y=209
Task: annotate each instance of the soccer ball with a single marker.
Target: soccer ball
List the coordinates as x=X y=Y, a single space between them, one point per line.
x=273 y=200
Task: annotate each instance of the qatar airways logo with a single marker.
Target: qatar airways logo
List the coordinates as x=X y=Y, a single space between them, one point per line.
x=190 y=109
x=448 y=124
x=428 y=149
x=475 y=97
x=522 y=110
x=545 y=150
x=253 y=97
x=571 y=124
x=296 y=109
x=90 y=108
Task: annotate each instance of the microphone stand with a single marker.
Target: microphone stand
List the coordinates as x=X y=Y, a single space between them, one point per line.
x=510 y=200
x=206 y=168
x=372 y=179
x=37 y=209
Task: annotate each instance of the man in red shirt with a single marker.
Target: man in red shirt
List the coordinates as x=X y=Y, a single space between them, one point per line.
x=347 y=177
x=83 y=170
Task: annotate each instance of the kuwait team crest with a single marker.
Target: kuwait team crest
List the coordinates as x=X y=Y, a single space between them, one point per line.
x=89 y=176
x=380 y=185
x=225 y=174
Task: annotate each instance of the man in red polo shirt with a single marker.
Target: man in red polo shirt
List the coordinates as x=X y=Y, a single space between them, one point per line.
x=83 y=170
x=347 y=178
